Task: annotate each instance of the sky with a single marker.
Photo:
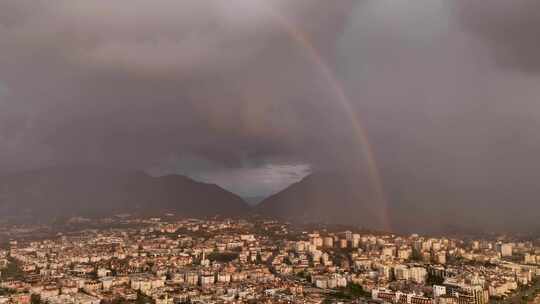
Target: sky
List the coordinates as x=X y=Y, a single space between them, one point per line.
x=245 y=93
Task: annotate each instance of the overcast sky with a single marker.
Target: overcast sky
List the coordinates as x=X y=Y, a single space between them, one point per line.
x=448 y=91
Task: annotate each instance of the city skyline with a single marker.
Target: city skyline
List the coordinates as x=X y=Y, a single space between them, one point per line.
x=174 y=260
x=269 y=152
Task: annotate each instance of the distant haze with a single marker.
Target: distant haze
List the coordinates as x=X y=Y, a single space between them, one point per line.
x=448 y=93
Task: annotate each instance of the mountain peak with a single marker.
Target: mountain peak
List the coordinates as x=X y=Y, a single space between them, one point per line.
x=326 y=197
x=94 y=191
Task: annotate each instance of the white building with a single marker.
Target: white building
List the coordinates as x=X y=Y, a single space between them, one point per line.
x=418 y=275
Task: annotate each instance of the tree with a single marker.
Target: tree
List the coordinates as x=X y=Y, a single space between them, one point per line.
x=143 y=299
x=35 y=299
x=12 y=270
x=5 y=291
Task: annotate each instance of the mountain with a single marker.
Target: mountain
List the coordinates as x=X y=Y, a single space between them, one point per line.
x=86 y=191
x=339 y=198
x=253 y=200
x=326 y=198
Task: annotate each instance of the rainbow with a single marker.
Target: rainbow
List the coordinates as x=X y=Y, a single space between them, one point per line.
x=302 y=39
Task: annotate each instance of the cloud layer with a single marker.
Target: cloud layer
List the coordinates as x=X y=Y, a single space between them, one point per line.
x=133 y=83
x=448 y=91
x=451 y=110
x=509 y=27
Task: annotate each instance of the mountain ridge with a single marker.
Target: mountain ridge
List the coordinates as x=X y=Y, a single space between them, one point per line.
x=52 y=192
x=325 y=198
x=348 y=200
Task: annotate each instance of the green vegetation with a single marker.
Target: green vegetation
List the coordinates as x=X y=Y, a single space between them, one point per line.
x=12 y=271
x=223 y=257
x=434 y=280
x=5 y=292
x=526 y=294
x=416 y=256
x=462 y=261
x=201 y=233
x=351 y=292
x=144 y=299
x=35 y=299
x=302 y=274
x=117 y=301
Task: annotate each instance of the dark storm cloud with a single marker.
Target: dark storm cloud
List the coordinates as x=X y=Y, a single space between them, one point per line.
x=218 y=89
x=453 y=128
x=134 y=83
x=510 y=27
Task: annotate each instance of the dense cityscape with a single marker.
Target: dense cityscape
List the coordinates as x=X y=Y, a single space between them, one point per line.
x=269 y=151
x=168 y=260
